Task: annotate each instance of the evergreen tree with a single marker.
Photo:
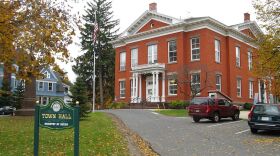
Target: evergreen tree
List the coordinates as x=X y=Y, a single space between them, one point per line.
x=6 y=94
x=79 y=93
x=105 y=53
x=18 y=95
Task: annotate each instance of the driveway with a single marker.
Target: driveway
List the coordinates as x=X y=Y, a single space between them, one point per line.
x=172 y=136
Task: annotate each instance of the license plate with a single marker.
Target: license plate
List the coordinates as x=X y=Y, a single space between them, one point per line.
x=196 y=110
x=265 y=118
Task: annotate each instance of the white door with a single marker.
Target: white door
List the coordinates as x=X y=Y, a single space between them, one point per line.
x=149 y=88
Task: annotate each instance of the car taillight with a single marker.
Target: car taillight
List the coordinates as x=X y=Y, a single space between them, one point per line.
x=251 y=113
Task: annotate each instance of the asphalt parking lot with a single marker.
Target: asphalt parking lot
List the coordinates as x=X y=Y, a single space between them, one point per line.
x=181 y=136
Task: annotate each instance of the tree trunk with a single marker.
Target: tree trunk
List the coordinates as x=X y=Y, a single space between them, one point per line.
x=101 y=88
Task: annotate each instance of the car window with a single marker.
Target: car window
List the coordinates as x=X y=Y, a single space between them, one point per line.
x=227 y=103
x=221 y=102
x=267 y=109
x=199 y=101
x=211 y=102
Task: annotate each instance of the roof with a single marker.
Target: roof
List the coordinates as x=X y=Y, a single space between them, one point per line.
x=131 y=34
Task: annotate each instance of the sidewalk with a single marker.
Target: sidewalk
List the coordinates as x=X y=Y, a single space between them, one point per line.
x=244 y=114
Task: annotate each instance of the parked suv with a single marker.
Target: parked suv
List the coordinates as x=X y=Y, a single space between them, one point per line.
x=213 y=109
x=264 y=117
x=5 y=110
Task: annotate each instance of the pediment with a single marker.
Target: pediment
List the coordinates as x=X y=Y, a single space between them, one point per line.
x=249 y=28
x=147 y=21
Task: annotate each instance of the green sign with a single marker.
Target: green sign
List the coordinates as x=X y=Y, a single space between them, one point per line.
x=56 y=115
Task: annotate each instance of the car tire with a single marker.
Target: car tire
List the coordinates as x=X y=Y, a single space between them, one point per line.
x=235 y=116
x=254 y=131
x=196 y=119
x=216 y=117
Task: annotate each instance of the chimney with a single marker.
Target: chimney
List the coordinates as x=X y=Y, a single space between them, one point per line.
x=246 y=17
x=153 y=7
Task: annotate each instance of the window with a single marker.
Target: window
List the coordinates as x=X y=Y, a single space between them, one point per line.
x=50 y=86
x=250 y=62
x=122 y=61
x=47 y=75
x=238 y=86
x=122 y=89
x=131 y=88
x=195 y=83
x=221 y=102
x=152 y=54
x=237 y=53
x=172 y=51
x=219 y=82
x=195 y=50
x=134 y=57
x=217 y=51
x=41 y=86
x=15 y=83
x=172 y=87
x=251 y=89
x=45 y=101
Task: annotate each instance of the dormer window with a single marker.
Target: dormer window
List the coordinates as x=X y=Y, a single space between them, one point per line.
x=47 y=75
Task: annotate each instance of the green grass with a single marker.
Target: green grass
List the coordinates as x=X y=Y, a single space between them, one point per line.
x=98 y=136
x=173 y=112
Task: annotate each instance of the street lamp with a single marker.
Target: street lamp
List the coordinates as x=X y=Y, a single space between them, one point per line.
x=37 y=102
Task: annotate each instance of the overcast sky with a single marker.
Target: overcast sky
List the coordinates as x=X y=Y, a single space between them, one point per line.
x=228 y=12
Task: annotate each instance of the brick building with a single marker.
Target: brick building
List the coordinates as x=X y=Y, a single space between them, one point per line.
x=161 y=58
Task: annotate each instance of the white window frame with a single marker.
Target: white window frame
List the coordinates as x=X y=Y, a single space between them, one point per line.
x=251 y=89
x=172 y=59
x=122 y=61
x=217 y=51
x=122 y=89
x=47 y=74
x=196 y=47
x=49 y=86
x=134 y=57
x=152 y=54
x=250 y=60
x=196 y=83
x=41 y=89
x=237 y=55
x=15 y=83
x=172 y=83
x=219 y=82
x=239 y=87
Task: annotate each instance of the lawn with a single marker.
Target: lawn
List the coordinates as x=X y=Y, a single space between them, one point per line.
x=98 y=136
x=173 y=112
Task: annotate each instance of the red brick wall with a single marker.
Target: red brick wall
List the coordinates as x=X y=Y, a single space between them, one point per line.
x=156 y=24
x=207 y=63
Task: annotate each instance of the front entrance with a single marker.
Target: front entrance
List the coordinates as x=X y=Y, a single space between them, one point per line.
x=149 y=88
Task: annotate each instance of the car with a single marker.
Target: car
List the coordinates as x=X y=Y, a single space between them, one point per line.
x=7 y=110
x=212 y=108
x=264 y=117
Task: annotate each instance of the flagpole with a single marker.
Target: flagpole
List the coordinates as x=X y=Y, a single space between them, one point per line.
x=93 y=74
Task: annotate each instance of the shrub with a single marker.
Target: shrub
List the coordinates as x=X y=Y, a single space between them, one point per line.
x=177 y=104
x=247 y=106
x=117 y=105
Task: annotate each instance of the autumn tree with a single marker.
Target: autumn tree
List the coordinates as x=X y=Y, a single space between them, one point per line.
x=34 y=34
x=104 y=50
x=267 y=64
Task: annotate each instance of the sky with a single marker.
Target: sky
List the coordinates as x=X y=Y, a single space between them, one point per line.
x=228 y=12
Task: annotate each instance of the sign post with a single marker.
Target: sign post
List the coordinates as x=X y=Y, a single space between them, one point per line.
x=56 y=116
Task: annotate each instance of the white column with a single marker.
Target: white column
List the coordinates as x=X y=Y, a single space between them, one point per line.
x=133 y=86
x=136 y=88
x=153 y=95
x=157 y=87
x=163 y=87
x=259 y=84
x=140 y=88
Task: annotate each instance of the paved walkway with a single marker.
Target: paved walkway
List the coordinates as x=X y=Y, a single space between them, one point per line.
x=180 y=136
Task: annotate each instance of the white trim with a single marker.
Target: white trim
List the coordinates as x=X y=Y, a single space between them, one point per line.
x=217 y=50
x=46 y=81
x=120 y=89
x=251 y=89
x=220 y=78
x=191 y=39
x=175 y=84
x=131 y=57
x=239 y=87
x=208 y=23
x=147 y=21
x=168 y=50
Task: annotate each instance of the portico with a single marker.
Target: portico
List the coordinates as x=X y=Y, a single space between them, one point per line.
x=152 y=74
